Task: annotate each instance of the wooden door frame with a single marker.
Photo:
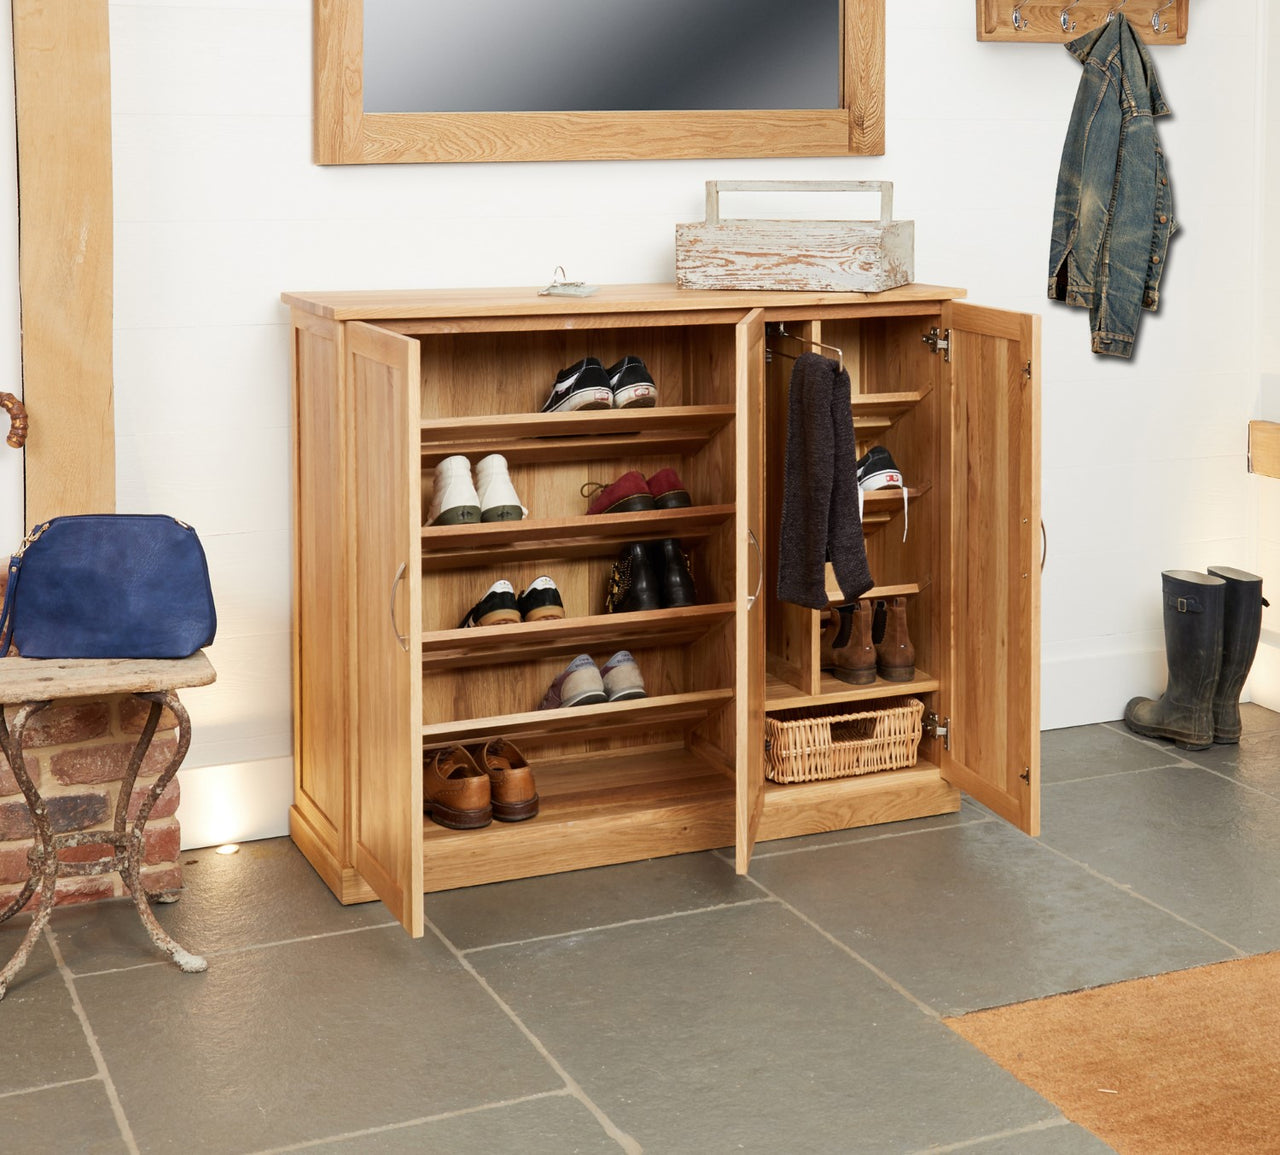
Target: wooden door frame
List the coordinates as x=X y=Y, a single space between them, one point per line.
x=62 y=77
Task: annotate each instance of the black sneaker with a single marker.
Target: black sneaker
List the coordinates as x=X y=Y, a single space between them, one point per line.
x=540 y=601
x=632 y=386
x=877 y=470
x=584 y=385
x=496 y=608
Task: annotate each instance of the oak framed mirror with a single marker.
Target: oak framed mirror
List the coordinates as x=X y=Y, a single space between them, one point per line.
x=725 y=78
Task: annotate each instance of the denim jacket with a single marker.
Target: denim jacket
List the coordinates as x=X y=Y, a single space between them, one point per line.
x=1113 y=216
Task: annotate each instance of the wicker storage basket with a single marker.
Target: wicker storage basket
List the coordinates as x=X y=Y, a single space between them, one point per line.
x=805 y=746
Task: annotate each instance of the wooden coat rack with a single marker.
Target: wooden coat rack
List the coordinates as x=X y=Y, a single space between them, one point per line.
x=1060 y=21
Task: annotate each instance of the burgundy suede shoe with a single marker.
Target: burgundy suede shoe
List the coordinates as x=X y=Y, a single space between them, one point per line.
x=626 y=495
x=668 y=490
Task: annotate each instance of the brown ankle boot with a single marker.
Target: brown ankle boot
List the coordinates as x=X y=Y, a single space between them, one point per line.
x=895 y=655
x=855 y=660
x=835 y=632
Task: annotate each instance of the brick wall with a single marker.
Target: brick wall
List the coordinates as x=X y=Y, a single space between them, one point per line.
x=76 y=752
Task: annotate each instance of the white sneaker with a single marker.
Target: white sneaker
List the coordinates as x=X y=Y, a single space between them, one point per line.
x=454 y=500
x=498 y=499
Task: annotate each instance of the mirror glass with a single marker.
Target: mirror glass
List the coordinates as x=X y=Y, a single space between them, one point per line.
x=600 y=55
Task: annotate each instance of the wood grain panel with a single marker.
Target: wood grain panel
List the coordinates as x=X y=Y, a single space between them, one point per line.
x=613 y=807
x=421 y=305
x=890 y=796
x=749 y=563
x=991 y=685
x=1043 y=20
x=323 y=742
x=1264 y=448
x=343 y=134
x=63 y=87
x=382 y=369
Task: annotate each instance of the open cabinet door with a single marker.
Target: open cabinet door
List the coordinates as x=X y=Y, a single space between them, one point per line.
x=991 y=467
x=749 y=564
x=383 y=372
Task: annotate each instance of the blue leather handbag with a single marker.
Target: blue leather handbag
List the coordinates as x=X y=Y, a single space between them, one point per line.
x=108 y=586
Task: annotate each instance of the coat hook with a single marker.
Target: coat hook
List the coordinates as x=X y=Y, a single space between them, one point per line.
x=1112 y=14
x=1157 y=25
x=1068 y=25
x=1019 y=21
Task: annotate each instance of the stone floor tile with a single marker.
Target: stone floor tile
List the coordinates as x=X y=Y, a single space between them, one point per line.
x=551 y=1125
x=1253 y=761
x=1067 y=1139
x=968 y=812
x=1090 y=751
x=1257 y=719
x=41 y=1039
x=554 y=904
x=1196 y=843
x=267 y=892
x=304 y=1041
x=742 y=1029
x=980 y=915
x=61 y=1120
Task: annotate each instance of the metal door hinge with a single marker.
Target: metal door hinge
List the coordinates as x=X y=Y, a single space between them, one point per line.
x=939 y=341
x=1026 y=372
x=938 y=729
x=1026 y=775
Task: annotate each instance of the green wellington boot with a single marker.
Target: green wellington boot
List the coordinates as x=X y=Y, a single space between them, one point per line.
x=1193 y=604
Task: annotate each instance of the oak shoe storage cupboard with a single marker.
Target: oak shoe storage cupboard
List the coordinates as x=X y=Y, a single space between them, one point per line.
x=386 y=384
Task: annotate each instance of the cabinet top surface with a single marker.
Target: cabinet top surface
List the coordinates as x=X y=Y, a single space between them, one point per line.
x=407 y=304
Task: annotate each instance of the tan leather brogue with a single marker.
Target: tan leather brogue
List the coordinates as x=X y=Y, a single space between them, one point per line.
x=455 y=791
x=512 y=791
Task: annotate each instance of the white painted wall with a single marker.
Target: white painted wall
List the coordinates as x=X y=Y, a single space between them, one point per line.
x=1265 y=680
x=219 y=209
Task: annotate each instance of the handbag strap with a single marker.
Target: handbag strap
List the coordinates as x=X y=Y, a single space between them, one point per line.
x=6 y=614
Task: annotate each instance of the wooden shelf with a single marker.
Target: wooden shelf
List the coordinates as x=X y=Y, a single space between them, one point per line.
x=874 y=413
x=780 y=695
x=529 y=641
x=875 y=593
x=592 y=435
x=880 y=506
x=506 y=542
x=615 y=806
x=668 y=710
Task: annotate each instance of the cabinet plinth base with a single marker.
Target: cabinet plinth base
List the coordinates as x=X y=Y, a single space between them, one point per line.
x=347 y=886
x=866 y=800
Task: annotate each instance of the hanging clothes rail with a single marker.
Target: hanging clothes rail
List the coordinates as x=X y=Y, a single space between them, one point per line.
x=1059 y=21
x=775 y=332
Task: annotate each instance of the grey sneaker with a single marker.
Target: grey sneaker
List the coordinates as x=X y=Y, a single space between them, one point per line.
x=622 y=678
x=580 y=684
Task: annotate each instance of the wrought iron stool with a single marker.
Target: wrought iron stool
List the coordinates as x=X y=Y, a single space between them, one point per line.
x=31 y=684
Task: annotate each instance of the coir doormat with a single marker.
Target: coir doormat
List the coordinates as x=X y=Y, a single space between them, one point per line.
x=1187 y=1062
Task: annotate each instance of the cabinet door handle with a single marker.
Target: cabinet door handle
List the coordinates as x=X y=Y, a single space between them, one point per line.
x=751 y=598
x=1044 y=545
x=403 y=639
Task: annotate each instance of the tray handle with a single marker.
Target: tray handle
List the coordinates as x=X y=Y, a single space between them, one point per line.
x=716 y=187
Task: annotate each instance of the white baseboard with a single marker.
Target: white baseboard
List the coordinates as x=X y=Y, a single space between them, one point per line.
x=1264 y=678
x=238 y=802
x=1080 y=690
x=1087 y=688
